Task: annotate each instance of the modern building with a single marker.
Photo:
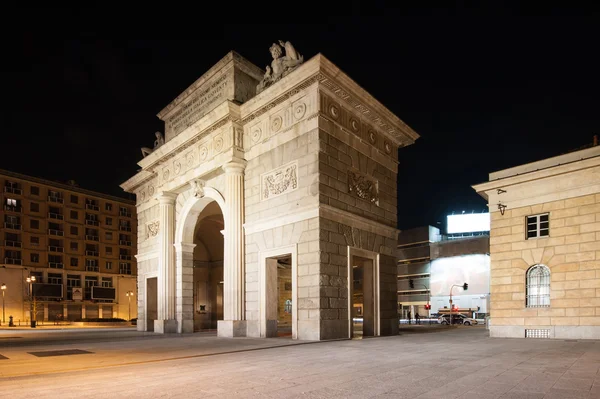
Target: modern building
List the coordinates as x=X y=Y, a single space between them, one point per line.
x=78 y=245
x=545 y=247
x=264 y=180
x=431 y=263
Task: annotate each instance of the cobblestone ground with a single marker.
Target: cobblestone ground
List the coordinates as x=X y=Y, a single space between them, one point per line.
x=455 y=363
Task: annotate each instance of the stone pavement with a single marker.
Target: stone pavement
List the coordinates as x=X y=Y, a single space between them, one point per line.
x=460 y=362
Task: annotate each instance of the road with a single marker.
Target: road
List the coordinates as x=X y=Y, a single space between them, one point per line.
x=458 y=362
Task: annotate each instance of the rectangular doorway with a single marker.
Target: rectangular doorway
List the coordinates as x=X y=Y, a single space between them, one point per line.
x=151 y=302
x=278 y=293
x=363 y=296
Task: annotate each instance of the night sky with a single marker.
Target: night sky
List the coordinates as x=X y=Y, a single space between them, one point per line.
x=486 y=89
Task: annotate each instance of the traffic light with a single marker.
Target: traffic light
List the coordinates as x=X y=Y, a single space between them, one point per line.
x=411 y=283
x=427 y=307
x=465 y=286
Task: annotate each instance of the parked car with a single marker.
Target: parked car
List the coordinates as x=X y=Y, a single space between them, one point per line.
x=457 y=319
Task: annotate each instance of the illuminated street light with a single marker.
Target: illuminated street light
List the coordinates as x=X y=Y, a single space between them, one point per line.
x=31 y=280
x=3 y=287
x=129 y=294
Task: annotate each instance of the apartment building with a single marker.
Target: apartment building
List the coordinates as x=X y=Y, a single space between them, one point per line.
x=70 y=249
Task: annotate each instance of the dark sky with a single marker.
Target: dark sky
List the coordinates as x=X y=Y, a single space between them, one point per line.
x=486 y=89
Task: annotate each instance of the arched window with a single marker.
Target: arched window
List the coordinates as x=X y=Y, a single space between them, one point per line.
x=538 y=287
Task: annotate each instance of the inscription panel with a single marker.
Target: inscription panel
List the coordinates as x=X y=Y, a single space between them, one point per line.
x=198 y=105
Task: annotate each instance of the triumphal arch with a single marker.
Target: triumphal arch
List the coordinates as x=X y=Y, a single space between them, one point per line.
x=268 y=208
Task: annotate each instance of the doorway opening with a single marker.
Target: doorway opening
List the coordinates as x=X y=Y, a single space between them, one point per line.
x=151 y=302
x=279 y=293
x=362 y=298
x=208 y=269
x=284 y=296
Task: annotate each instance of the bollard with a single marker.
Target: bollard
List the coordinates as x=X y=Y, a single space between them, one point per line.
x=10 y=321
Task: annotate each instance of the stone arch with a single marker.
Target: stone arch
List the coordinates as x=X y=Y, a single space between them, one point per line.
x=184 y=252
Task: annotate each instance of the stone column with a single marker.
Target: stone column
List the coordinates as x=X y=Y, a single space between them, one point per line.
x=166 y=322
x=184 y=254
x=233 y=323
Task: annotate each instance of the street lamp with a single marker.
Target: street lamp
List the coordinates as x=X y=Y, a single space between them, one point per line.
x=465 y=287
x=129 y=294
x=31 y=280
x=3 y=287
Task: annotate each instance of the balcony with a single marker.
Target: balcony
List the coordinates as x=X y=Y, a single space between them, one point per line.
x=92 y=238
x=92 y=207
x=123 y=242
x=56 y=216
x=124 y=271
x=13 y=190
x=12 y=226
x=92 y=222
x=124 y=257
x=55 y=265
x=56 y=233
x=12 y=208
x=16 y=244
x=58 y=200
x=91 y=253
x=12 y=261
x=52 y=248
x=89 y=268
x=125 y=213
x=125 y=228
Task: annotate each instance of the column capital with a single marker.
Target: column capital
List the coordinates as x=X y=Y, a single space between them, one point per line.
x=166 y=197
x=184 y=247
x=235 y=165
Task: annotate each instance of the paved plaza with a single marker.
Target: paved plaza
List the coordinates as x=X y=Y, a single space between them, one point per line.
x=458 y=362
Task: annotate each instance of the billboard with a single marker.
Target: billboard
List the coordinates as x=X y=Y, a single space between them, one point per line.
x=468 y=223
x=471 y=269
x=47 y=290
x=103 y=293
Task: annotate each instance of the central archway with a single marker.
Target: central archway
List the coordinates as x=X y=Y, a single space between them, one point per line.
x=199 y=260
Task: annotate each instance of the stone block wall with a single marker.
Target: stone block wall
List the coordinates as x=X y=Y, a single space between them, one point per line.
x=572 y=252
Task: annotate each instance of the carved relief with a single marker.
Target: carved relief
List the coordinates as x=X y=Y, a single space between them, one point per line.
x=176 y=167
x=363 y=188
x=152 y=229
x=151 y=190
x=279 y=181
x=388 y=147
x=189 y=159
x=299 y=111
x=165 y=174
x=281 y=64
x=334 y=111
x=347 y=231
x=203 y=153
x=276 y=123
x=255 y=135
x=354 y=124
x=372 y=136
x=239 y=137
x=197 y=187
x=142 y=196
x=218 y=143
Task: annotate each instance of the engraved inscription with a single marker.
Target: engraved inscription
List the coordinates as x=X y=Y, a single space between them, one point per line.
x=279 y=181
x=195 y=108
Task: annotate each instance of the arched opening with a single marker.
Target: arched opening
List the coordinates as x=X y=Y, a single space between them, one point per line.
x=208 y=268
x=537 y=287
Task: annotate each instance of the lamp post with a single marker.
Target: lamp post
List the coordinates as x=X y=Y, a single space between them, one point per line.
x=464 y=286
x=3 y=287
x=31 y=280
x=129 y=294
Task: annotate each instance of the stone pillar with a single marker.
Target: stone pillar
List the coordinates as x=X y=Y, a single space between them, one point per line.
x=166 y=322
x=233 y=323
x=185 y=287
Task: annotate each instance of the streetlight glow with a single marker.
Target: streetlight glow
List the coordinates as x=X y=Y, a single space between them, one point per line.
x=3 y=287
x=129 y=294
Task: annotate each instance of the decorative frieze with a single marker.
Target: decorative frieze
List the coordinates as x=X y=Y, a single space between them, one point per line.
x=279 y=181
x=363 y=187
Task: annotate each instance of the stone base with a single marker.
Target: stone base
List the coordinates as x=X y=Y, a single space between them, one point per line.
x=165 y=326
x=388 y=327
x=253 y=328
x=271 y=329
x=333 y=329
x=186 y=326
x=231 y=328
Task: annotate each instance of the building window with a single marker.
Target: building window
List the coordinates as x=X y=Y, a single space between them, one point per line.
x=74 y=199
x=538 y=226
x=124 y=268
x=34 y=207
x=108 y=265
x=34 y=190
x=74 y=262
x=35 y=258
x=538 y=287
x=35 y=241
x=34 y=224
x=74 y=230
x=11 y=202
x=54 y=278
x=107 y=282
x=108 y=235
x=109 y=221
x=74 y=215
x=74 y=246
x=108 y=250
x=108 y=206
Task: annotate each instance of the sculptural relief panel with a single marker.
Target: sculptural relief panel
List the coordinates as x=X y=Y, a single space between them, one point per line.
x=363 y=187
x=279 y=181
